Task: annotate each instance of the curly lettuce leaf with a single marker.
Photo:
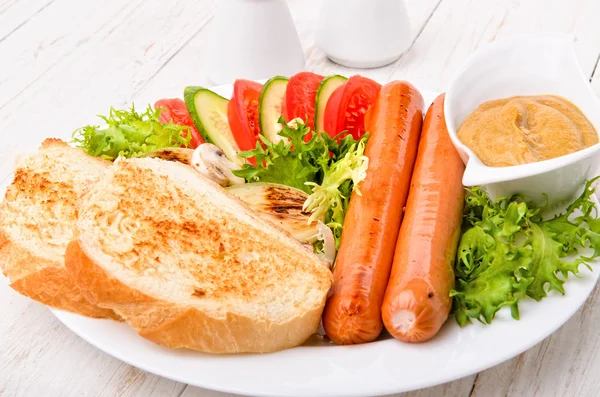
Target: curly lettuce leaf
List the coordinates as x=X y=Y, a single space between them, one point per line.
x=545 y=264
x=130 y=134
x=489 y=264
x=340 y=179
x=499 y=284
x=507 y=252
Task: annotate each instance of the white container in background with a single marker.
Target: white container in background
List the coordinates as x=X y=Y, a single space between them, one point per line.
x=253 y=39
x=535 y=64
x=363 y=33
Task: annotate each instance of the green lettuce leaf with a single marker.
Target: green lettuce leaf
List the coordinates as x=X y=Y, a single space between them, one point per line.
x=290 y=161
x=508 y=252
x=130 y=134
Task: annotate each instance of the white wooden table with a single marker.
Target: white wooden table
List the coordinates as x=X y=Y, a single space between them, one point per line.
x=63 y=61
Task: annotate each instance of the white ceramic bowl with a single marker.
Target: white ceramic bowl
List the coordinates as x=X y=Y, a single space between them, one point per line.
x=525 y=65
x=253 y=39
x=383 y=36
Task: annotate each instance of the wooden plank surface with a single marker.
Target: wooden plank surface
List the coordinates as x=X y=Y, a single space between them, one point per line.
x=459 y=27
x=66 y=60
x=15 y=13
x=113 y=62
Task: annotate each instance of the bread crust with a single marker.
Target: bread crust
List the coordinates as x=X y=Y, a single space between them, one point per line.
x=176 y=326
x=52 y=285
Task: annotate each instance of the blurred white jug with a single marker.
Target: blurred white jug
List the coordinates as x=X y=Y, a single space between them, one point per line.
x=363 y=33
x=253 y=39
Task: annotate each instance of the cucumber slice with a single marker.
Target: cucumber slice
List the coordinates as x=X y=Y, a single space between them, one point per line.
x=209 y=113
x=326 y=88
x=269 y=108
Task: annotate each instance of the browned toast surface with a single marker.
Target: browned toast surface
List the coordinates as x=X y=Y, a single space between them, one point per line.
x=189 y=265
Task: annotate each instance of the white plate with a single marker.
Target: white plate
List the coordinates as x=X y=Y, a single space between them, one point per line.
x=383 y=367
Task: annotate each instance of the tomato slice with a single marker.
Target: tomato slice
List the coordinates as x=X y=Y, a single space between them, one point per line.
x=300 y=97
x=331 y=110
x=175 y=111
x=346 y=108
x=242 y=112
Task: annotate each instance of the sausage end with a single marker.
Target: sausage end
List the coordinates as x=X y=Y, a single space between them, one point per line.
x=416 y=314
x=347 y=323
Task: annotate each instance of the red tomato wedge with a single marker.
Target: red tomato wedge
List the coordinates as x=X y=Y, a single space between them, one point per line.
x=174 y=110
x=242 y=112
x=300 y=98
x=346 y=108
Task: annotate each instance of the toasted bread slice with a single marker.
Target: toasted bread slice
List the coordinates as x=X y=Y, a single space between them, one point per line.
x=188 y=265
x=37 y=218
